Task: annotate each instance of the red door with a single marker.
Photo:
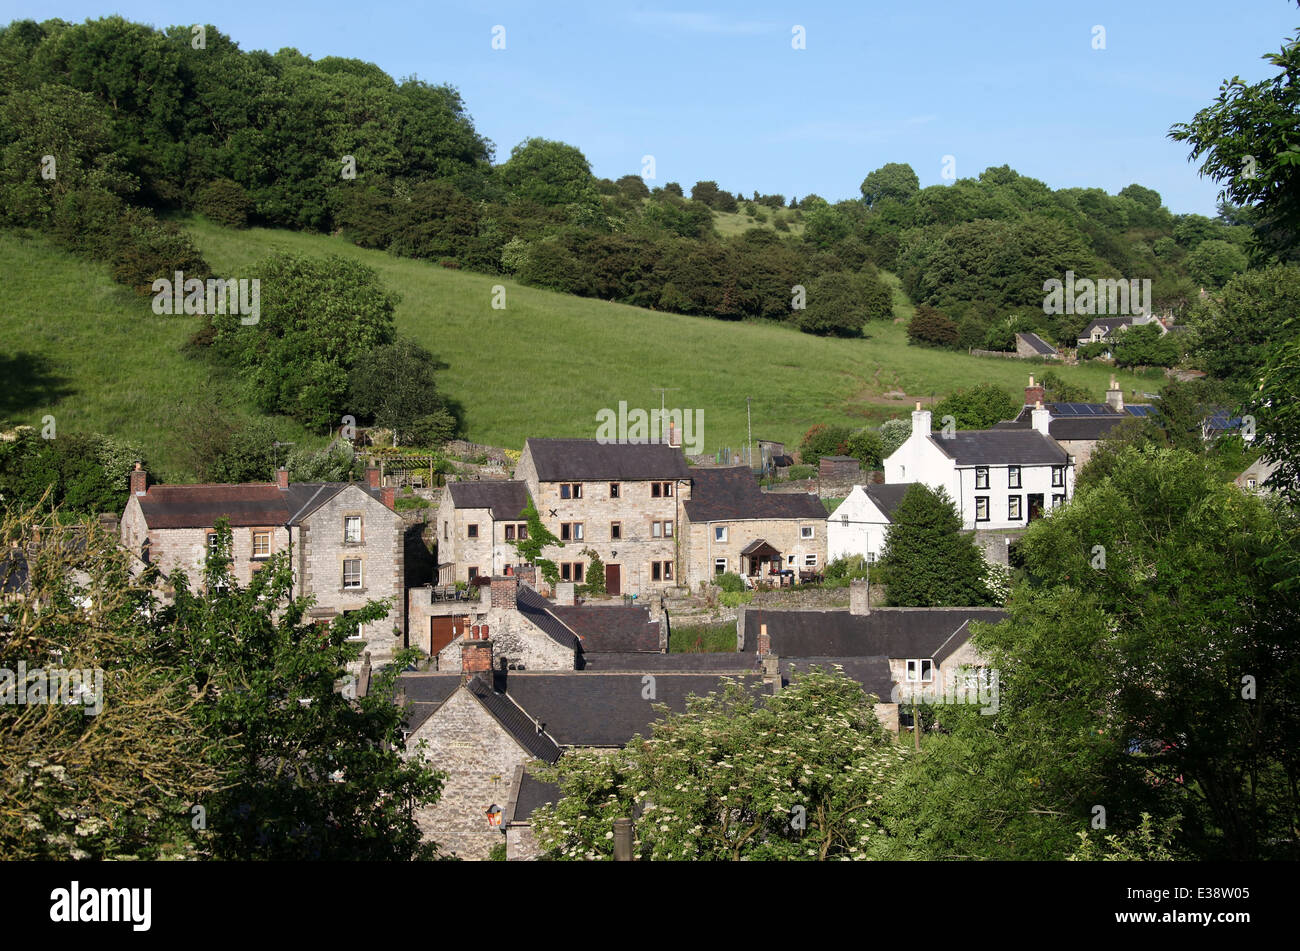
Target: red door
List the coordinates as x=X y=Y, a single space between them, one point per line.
x=444 y=630
x=613 y=579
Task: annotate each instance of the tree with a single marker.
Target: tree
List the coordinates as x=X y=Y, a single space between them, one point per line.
x=1057 y=390
x=798 y=777
x=931 y=327
x=893 y=433
x=226 y=202
x=980 y=407
x=393 y=386
x=1248 y=141
x=1236 y=329
x=308 y=770
x=866 y=446
x=110 y=774
x=248 y=454
x=318 y=317
x=538 y=539
x=928 y=561
x=1146 y=346
x=549 y=173
x=78 y=473
x=893 y=180
x=595 y=586
x=839 y=303
x=822 y=440
x=1214 y=263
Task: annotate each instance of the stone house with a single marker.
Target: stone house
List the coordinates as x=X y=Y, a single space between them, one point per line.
x=483 y=727
x=890 y=651
x=860 y=524
x=528 y=631
x=1031 y=345
x=345 y=540
x=1078 y=427
x=999 y=478
x=621 y=500
x=731 y=524
x=475 y=526
x=1255 y=476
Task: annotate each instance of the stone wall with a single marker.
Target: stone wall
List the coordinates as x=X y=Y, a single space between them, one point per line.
x=479 y=757
x=783 y=534
x=382 y=554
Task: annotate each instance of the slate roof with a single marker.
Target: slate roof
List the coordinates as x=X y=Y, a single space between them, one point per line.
x=604 y=709
x=1000 y=447
x=610 y=627
x=886 y=632
x=516 y=722
x=1037 y=344
x=13 y=572
x=532 y=793
x=1076 y=420
x=713 y=662
x=871 y=672
x=586 y=460
x=886 y=496
x=505 y=499
x=731 y=493
x=539 y=611
x=248 y=504
x=1110 y=323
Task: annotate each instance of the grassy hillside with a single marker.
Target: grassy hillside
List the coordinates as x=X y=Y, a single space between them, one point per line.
x=100 y=359
x=731 y=223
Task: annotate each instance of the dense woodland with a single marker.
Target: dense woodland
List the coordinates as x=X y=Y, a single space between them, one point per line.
x=140 y=118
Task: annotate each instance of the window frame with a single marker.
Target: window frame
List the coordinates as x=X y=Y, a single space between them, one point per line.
x=255 y=535
x=807 y=532
x=360 y=537
x=616 y=531
x=1018 y=512
x=720 y=533
x=1013 y=477
x=981 y=477
x=985 y=500
x=360 y=574
x=1058 y=477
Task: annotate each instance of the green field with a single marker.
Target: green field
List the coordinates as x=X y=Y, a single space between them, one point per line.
x=95 y=356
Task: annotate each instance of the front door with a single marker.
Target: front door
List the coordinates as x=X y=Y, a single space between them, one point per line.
x=1035 y=506
x=613 y=579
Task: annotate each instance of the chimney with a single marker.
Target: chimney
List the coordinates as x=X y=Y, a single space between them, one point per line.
x=139 y=480
x=564 y=593
x=772 y=673
x=764 y=642
x=108 y=522
x=527 y=574
x=1115 y=397
x=475 y=652
x=1042 y=420
x=372 y=477
x=920 y=421
x=388 y=495
x=672 y=432
x=859 y=596
x=1034 y=393
x=282 y=478
x=504 y=592
x=363 y=681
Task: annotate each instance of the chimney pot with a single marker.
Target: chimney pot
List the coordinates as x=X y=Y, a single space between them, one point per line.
x=764 y=641
x=389 y=496
x=859 y=596
x=504 y=593
x=282 y=478
x=372 y=476
x=139 y=480
x=1034 y=393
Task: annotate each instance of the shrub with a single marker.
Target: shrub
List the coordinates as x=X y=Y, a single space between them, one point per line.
x=226 y=203
x=932 y=328
x=822 y=440
x=729 y=582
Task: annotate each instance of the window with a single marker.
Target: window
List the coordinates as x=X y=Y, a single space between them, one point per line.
x=719 y=566
x=844 y=520
x=661 y=571
x=212 y=541
x=719 y=533
x=871 y=557
x=571 y=532
x=981 y=477
x=1013 y=477
x=570 y=490
x=521 y=531
x=806 y=531
x=1250 y=484
x=352 y=572
x=510 y=533
x=661 y=490
x=920 y=670
x=656 y=529
x=352 y=529
x=981 y=508
x=571 y=571
x=472 y=574
x=1058 y=501
x=668 y=529
x=613 y=490
x=261 y=544
x=471 y=531
x=615 y=531
x=1058 y=475
x=1013 y=507
x=810 y=560
x=789 y=560
x=445 y=530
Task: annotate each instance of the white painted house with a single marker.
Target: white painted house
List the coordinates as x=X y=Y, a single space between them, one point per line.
x=999 y=478
x=859 y=524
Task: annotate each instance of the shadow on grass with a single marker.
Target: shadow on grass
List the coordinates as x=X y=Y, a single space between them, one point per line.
x=29 y=383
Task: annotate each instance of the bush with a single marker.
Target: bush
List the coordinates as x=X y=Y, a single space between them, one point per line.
x=822 y=440
x=226 y=203
x=729 y=582
x=802 y=472
x=147 y=250
x=734 y=599
x=930 y=327
x=846 y=568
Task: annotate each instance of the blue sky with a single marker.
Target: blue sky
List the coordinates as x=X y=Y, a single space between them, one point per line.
x=716 y=91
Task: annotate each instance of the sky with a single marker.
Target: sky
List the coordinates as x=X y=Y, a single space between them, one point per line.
x=719 y=92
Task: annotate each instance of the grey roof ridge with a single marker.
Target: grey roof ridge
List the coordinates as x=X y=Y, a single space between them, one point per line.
x=293 y=519
x=506 y=698
x=939 y=655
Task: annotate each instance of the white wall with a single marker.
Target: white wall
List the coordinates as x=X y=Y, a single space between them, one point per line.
x=864 y=532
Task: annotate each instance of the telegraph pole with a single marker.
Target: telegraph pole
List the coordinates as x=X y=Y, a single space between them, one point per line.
x=749 y=434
